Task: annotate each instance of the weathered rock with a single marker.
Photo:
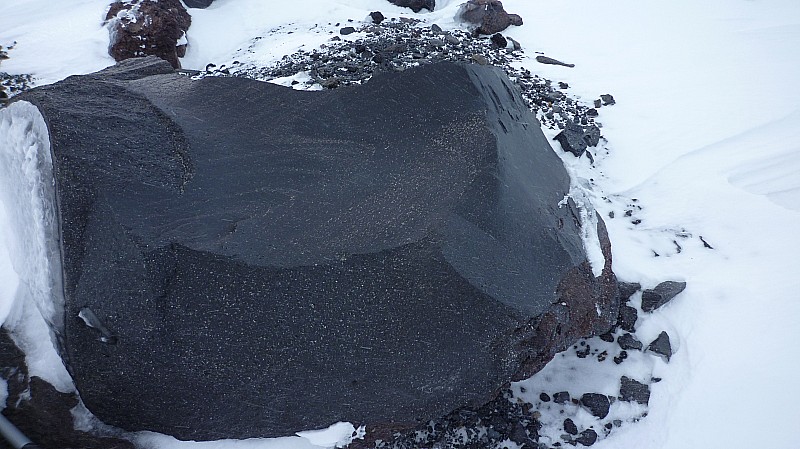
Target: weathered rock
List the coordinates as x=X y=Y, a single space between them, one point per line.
x=607 y=99
x=489 y=16
x=550 y=61
x=587 y=438
x=347 y=30
x=544 y=397
x=281 y=259
x=661 y=346
x=415 y=5
x=626 y=320
x=571 y=139
x=597 y=404
x=149 y=27
x=628 y=341
x=627 y=289
x=377 y=17
x=499 y=41
x=633 y=391
x=570 y=427
x=663 y=293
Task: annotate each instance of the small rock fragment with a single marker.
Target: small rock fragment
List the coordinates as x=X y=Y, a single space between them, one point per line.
x=415 y=5
x=607 y=99
x=347 y=30
x=377 y=17
x=488 y=15
x=633 y=391
x=661 y=346
x=626 y=319
x=499 y=41
x=551 y=61
x=597 y=404
x=561 y=397
x=661 y=294
x=588 y=437
x=628 y=341
x=544 y=397
x=570 y=427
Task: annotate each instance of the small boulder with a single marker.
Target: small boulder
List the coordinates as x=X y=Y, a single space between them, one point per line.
x=544 y=397
x=150 y=28
x=570 y=427
x=588 y=437
x=561 y=397
x=607 y=99
x=347 y=30
x=661 y=346
x=633 y=391
x=415 y=5
x=626 y=319
x=661 y=294
x=597 y=404
x=488 y=15
x=628 y=341
x=499 y=41
x=377 y=17
x=591 y=134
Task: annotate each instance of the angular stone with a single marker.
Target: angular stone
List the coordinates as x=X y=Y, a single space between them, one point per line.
x=550 y=61
x=283 y=260
x=571 y=139
x=597 y=404
x=561 y=397
x=588 y=437
x=626 y=320
x=628 y=341
x=633 y=391
x=661 y=294
x=661 y=346
x=627 y=289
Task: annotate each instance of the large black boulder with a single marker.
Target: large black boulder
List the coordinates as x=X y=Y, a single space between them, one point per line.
x=242 y=259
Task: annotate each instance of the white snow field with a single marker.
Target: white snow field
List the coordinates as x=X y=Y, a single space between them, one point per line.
x=705 y=136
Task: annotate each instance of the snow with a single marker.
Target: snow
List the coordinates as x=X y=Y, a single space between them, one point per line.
x=702 y=143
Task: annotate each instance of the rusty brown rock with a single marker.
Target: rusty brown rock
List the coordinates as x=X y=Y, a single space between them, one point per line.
x=147 y=27
x=488 y=15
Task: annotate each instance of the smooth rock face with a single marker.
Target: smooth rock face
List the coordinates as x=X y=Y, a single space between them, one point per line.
x=270 y=260
x=148 y=28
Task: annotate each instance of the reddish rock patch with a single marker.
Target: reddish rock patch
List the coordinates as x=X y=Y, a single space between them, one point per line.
x=146 y=27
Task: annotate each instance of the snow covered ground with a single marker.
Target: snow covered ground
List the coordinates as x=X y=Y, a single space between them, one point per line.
x=704 y=135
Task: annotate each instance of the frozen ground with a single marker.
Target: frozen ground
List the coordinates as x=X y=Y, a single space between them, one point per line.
x=704 y=136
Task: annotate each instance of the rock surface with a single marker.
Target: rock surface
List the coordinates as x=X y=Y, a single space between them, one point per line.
x=661 y=346
x=400 y=241
x=489 y=16
x=632 y=390
x=663 y=293
x=148 y=27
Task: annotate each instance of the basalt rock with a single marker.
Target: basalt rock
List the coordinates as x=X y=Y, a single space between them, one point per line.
x=242 y=259
x=148 y=27
x=488 y=15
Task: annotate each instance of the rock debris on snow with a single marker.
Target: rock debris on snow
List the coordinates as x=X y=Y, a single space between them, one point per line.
x=663 y=293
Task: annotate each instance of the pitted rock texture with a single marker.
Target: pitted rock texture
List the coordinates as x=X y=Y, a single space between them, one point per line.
x=148 y=27
x=282 y=260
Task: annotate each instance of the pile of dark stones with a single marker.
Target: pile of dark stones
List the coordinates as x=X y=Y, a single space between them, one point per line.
x=398 y=44
x=11 y=85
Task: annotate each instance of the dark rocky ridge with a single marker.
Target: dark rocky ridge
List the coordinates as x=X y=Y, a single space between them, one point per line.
x=380 y=271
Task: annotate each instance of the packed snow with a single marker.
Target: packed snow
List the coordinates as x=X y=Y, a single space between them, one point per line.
x=702 y=146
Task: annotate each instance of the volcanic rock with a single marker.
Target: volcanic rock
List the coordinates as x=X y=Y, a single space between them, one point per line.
x=149 y=27
x=597 y=404
x=415 y=5
x=633 y=391
x=570 y=427
x=661 y=346
x=561 y=397
x=661 y=294
x=489 y=16
x=607 y=99
x=272 y=260
x=576 y=138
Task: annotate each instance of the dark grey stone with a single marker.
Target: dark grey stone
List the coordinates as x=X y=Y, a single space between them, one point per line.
x=347 y=30
x=626 y=320
x=561 y=397
x=272 y=260
x=570 y=427
x=661 y=294
x=628 y=341
x=661 y=346
x=607 y=99
x=377 y=17
x=571 y=139
x=547 y=60
x=488 y=15
x=588 y=437
x=597 y=404
x=591 y=135
x=499 y=41
x=627 y=289
x=633 y=391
